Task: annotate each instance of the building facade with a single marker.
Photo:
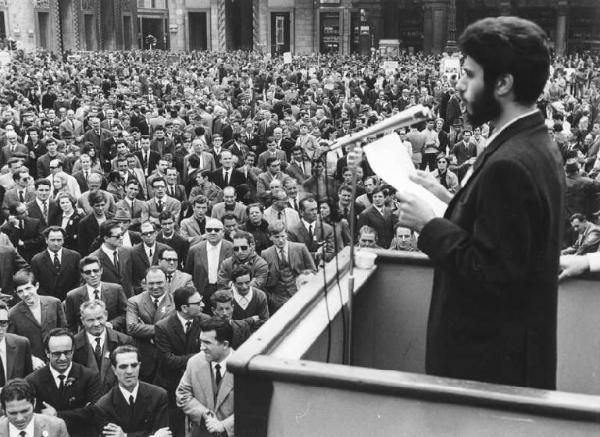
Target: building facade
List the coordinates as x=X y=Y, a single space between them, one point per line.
x=277 y=26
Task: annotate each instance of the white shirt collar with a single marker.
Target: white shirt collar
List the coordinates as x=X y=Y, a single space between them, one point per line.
x=307 y=225
x=108 y=252
x=59 y=253
x=223 y=363
x=92 y=338
x=55 y=374
x=29 y=429
x=90 y=290
x=127 y=393
x=182 y=320
x=514 y=120
x=239 y=298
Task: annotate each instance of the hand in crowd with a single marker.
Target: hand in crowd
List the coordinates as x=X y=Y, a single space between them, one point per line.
x=37 y=362
x=48 y=410
x=413 y=212
x=112 y=430
x=213 y=425
x=572 y=265
x=430 y=183
x=163 y=432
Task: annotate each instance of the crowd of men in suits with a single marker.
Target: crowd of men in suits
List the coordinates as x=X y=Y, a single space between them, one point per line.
x=154 y=216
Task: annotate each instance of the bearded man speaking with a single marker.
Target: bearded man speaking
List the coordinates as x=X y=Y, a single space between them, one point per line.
x=496 y=250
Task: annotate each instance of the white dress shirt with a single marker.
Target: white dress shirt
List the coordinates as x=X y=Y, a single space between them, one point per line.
x=212 y=254
x=243 y=301
x=127 y=393
x=29 y=429
x=92 y=339
x=55 y=375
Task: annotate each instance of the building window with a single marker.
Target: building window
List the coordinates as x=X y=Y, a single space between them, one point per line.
x=330 y=32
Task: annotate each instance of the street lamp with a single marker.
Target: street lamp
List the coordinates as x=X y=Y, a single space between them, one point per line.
x=451 y=46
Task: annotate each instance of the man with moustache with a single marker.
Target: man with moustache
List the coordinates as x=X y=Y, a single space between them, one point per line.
x=495 y=251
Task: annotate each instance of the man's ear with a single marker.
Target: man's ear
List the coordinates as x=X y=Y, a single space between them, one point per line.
x=504 y=84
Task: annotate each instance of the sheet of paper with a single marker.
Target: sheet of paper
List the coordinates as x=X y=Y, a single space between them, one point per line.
x=390 y=160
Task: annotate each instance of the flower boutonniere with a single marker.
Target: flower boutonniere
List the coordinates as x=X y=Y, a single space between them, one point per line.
x=70 y=381
x=45 y=433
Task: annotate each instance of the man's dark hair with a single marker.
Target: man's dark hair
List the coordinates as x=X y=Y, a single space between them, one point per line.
x=87 y=260
x=577 y=216
x=304 y=201
x=106 y=228
x=49 y=229
x=200 y=200
x=182 y=295
x=59 y=332
x=165 y=215
x=222 y=328
x=124 y=349
x=509 y=45
x=24 y=276
x=39 y=182
x=17 y=389
x=96 y=197
x=240 y=271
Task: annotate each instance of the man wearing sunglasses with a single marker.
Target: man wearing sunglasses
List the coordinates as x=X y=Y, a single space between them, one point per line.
x=111 y=294
x=204 y=259
x=64 y=388
x=168 y=261
x=145 y=254
x=244 y=255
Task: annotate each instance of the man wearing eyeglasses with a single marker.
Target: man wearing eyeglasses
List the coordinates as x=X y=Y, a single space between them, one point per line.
x=161 y=202
x=169 y=236
x=176 y=339
x=145 y=254
x=204 y=259
x=169 y=261
x=244 y=255
x=111 y=294
x=64 y=388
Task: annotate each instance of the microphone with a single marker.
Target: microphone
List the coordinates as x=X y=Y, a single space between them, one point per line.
x=408 y=117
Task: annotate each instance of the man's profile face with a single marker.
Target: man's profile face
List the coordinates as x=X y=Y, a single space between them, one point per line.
x=19 y=413
x=578 y=226
x=213 y=349
x=224 y=310
x=478 y=97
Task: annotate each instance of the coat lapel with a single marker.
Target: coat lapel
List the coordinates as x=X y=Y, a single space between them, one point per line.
x=27 y=312
x=10 y=356
x=225 y=389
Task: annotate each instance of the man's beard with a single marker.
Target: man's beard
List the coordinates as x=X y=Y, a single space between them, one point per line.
x=484 y=107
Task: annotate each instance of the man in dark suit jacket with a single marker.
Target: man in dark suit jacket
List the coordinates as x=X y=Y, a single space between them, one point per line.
x=496 y=251
x=23 y=317
x=112 y=295
x=380 y=218
x=56 y=278
x=122 y=272
x=176 y=343
x=64 y=388
x=168 y=236
x=17 y=362
x=148 y=158
x=233 y=178
x=119 y=412
x=25 y=233
x=316 y=235
x=10 y=263
x=140 y=260
x=35 y=208
x=95 y=342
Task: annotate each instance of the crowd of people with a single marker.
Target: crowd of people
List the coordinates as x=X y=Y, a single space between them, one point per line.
x=156 y=213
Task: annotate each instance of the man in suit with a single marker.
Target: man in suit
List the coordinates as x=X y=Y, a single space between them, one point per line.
x=43 y=162
x=25 y=233
x=316 y=235
x=112 y=295
x=57 y=268
x=161 y=201
x=379 y=217
x=588 y=236
x=243 y=255
x=205 y=393
x=226 y=175
x=229 y=206
x=12 y=148
x=133 y=408
x=170 y=237
x=204 y=259
x=86 y=170
x=510 y=209
x=94 y=182
x=88 y=227
x=177 y=341
x=22 y=192
x=194 y=227
x=148 y=158
x=271 y=152
x=71 y=124
x=145 y=254
x=298 y=168
x=42 y=208
x=169 y=261
x=18 y=403
x=174 y=190
x=97 y=135
x=286 y=261
x=64 y=388
x=137 y=209
x=35 y=316
x=115 y=260
x=143 y=311
x=15 y=351
x=207 y=160
x=95 y=342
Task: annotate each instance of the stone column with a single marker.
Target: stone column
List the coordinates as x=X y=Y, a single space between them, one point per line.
x=451 y=38
x=177 y=20
x=221 y=26
x=561 y=27
x=440 y=20
x=427 y=27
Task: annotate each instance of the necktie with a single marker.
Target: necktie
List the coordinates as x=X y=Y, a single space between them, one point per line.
x=172 y=191
x=159 y=206
x=61 y=385
x=56 y=261
x=282 y=255
x=310 y=232
x=227 y=177
x=96 y=294
x=46 y=211
x=2 y=377
x=150 y=255
x=345 y=211
x=188 y=326
x=131 y=404
x=279 y=215
x=85 y=174
x=169 y=277
x=21 y=196
x=98 y=352
x=23 y=434
x=116 y=260
x=218 y=376
x=156 y=303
